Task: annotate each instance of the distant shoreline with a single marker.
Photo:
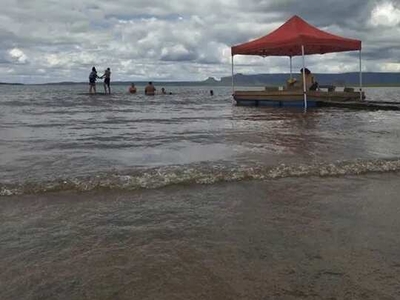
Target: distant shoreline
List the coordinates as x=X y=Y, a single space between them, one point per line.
x=370 y=79
x=11 y=83
x=190 y=84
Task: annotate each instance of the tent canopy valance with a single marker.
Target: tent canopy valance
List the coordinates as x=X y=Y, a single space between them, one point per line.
x=288 y=40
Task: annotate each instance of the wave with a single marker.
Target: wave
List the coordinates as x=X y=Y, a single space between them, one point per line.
x=201 y=174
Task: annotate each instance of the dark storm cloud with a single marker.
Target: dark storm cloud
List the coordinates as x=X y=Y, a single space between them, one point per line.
x=382 y=53
x=324 y=13
x=178 y=56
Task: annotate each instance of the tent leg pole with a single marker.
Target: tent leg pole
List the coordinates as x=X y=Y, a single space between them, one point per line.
x=360 y=78
x=291 y=68
x=233 y=84
x=304 y=79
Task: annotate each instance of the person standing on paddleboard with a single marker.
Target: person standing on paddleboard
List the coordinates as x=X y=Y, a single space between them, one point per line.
x=92 y=81
x=107 y=78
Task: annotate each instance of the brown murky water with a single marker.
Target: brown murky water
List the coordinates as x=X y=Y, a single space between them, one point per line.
x=188 y=197
x=308 y=238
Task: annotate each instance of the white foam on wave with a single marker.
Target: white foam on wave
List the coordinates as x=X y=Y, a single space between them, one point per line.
x=201 y=174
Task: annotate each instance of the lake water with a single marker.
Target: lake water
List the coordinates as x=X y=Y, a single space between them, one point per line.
x=186 y=196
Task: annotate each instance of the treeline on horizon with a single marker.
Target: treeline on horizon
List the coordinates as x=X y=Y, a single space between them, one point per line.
x=338 y=79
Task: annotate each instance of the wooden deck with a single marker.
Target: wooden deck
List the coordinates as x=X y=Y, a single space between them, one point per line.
x=295 y=95
x=343 y=99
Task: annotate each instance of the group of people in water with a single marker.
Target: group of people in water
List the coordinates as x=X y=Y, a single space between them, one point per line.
x=148 y=90
x=310 y=83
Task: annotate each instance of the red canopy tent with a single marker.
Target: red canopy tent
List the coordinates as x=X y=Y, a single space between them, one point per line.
x=288 y=39
x=297 y=37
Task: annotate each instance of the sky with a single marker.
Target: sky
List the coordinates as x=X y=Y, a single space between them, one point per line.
x=181 y=40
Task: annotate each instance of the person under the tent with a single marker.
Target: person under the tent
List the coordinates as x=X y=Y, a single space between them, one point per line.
x=311 y=84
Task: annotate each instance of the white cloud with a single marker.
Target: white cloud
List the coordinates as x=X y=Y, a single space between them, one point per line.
x=175 y=39
x=385 y=14
x=18 y=56
x=391 y=67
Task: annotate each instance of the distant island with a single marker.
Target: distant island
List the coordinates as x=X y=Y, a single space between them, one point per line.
x=12 y=83
x=276 y=79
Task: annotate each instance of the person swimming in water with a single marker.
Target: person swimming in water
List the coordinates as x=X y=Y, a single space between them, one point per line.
x=150 y=89
x=132 y=89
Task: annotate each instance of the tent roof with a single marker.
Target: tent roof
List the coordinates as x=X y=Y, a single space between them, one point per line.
x=288 y=39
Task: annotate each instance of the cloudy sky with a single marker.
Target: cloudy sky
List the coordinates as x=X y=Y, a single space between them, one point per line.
x=60 y=40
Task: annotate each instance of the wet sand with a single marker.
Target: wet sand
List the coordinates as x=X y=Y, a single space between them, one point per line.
x=302 y=238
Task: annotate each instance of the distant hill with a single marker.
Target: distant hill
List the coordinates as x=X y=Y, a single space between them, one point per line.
x=138 y=83
x=208 y=81
x=338 y=79
x=6 y=83
x=342 y=79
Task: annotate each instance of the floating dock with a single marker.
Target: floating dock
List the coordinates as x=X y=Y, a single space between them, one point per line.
x=286 y=98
